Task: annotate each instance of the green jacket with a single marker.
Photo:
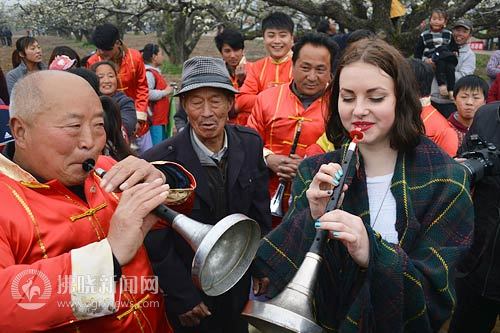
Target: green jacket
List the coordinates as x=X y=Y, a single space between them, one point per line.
x=408 y=287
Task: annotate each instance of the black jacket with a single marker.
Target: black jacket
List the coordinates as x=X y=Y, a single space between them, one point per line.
x=481 y=266
x=247 y=188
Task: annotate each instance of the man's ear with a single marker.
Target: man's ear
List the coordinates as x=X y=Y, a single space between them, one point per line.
x=182 y=102
x=18 y=128
x=231 y=100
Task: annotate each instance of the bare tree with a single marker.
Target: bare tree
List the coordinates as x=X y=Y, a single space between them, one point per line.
x=486 y=20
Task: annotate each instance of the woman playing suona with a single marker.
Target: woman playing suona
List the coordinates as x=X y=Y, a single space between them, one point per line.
x=406 y=217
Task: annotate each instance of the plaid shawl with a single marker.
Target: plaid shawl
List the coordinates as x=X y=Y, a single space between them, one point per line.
x=408 y=287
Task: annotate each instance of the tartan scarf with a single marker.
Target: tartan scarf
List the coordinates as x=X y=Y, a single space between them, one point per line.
x=407 y=287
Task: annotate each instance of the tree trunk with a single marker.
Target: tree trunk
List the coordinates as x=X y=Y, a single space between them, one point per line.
x=78 y=35
x=180 y=36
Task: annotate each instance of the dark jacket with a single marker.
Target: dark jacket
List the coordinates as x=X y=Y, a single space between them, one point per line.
x=481 y=265
x=247 y=181
x=127 y=111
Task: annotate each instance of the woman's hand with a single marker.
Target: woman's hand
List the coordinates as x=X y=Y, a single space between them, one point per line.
x=350 y=230
x=321 y=188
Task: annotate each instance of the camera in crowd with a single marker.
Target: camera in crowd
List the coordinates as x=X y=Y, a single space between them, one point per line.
x=482 y=160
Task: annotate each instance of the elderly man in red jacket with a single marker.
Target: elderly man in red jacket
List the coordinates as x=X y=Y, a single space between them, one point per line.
x=71 y=254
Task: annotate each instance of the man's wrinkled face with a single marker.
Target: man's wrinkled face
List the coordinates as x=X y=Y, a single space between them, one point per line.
x=207 y=110
x=66 y=132
x=312 y=70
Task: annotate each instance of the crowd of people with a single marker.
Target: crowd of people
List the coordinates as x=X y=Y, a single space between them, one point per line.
x=411 y=247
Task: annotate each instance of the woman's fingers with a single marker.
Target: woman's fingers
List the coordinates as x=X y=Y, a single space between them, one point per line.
x=339 y=231
x=317 y=194
x=350 y=230
x=332 y=226
x=325 y=179
x=340 y=216
x=343 y=236
x=327 y=175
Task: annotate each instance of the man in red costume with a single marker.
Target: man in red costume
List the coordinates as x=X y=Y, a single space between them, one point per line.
x=131 y=75
x=280 y=110
x=71 y=253
x=271 y=71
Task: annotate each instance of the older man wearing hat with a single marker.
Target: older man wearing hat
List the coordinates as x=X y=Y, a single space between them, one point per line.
x=462 y=32
x=232 y=177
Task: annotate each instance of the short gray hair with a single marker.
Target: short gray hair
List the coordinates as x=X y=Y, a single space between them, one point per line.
x=26 y=97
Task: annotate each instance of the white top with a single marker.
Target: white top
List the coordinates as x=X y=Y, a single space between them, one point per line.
x=382 y=207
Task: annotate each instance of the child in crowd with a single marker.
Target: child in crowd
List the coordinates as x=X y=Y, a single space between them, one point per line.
x=436 y=46
x=470 y=93
x=159 y=90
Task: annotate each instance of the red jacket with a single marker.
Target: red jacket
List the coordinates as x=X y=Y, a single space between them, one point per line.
x=161 y=107
x=263 y=74
x=131 y=79
x=438 y=129
x=494 y=92
x=275 y=117
x=41 y=227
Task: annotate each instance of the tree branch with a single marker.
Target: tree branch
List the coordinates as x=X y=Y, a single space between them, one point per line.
x=330 y=8
x=458 y=11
